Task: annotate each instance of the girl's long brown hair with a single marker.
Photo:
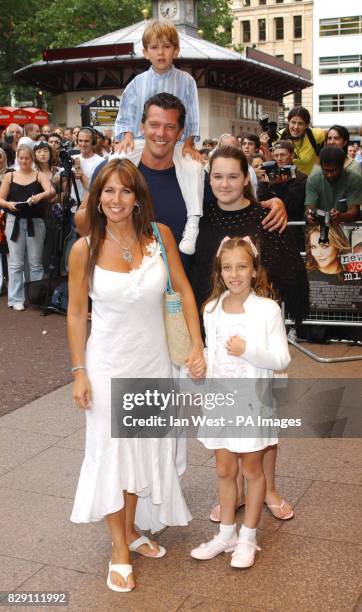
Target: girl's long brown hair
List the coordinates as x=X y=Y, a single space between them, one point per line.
x=260 y=284
x=230 y=152
x=132 y=178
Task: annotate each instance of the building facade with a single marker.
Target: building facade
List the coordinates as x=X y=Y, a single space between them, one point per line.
x=283 y=28
x=337 y=64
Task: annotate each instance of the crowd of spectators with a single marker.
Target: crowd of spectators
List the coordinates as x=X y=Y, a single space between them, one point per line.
x=304 y=167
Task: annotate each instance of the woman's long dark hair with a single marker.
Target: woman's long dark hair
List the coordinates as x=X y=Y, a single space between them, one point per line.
x=142 y=216
x=342 y=133
x=230 y=152
x=38 y=147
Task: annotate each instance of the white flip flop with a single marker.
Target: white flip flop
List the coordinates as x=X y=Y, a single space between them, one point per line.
x=124 y=570
x=145 y=540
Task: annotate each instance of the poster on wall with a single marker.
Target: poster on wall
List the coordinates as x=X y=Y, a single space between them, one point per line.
x=101 y=112
x=335 y=268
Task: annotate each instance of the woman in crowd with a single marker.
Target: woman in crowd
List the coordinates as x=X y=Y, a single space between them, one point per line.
x=121 y=266
x=306 y=141
x=3 y=245
x=25 y=228
x=326 y=258
x=237 y=213
x=43 y=161
x=338 y=136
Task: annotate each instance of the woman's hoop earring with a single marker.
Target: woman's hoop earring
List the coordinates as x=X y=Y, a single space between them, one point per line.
x=100 y=209
x=137 y=208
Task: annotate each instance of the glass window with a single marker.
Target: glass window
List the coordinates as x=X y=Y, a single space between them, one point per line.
x=297 y=59
x=328 y=27
x=245 y=26
x=246 y=2
x=279 y=1
x=335 y=103
x=349 y=25
x=298 y=98
x=345 y=64
x=297 y=23
x=281 y=56
x=262 y=29
x=262 y=1
x=340 y=26
x=279 y=28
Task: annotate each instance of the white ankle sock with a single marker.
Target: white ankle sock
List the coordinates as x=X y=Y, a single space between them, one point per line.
x=247 y=534
x=227 y=531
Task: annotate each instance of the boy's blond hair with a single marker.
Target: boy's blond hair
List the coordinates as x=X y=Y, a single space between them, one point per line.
x=161 y=31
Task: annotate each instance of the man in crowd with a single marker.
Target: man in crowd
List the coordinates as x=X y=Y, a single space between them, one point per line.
x=32 y=131
x=162 y=124
x=14 y=131
x=333 y=182
x=87 y=161
x=55 y=143
x=250 y=145
x=46 y=130
x=68 y=134
x=290 y=190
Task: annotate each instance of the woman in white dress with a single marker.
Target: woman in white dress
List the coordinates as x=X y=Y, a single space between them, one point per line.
x=119 y=264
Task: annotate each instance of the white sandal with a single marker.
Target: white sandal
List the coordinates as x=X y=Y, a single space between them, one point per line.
x=124 y=570
x=145 y=540
x=209 y=550
x=244 y=554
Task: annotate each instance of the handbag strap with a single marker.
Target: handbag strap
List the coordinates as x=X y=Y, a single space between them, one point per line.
x=156 y=232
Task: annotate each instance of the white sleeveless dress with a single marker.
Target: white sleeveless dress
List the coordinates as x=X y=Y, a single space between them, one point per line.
x=128 y=341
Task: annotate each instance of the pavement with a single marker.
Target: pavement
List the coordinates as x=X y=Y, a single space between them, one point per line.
x=311 y=563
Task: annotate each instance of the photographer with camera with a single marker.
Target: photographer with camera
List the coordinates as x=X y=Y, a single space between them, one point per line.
x=284 y=181
x=331 y=185
x=307 y=141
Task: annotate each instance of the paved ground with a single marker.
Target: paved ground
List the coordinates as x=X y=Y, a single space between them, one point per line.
x=309 y=564
x=33 y=363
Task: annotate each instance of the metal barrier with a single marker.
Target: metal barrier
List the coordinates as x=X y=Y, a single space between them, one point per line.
x=326 y=318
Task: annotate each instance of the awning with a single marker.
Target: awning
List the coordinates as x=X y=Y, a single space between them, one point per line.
x=22 y=116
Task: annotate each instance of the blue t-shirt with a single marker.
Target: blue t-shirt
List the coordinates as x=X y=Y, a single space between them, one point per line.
x=168 y=203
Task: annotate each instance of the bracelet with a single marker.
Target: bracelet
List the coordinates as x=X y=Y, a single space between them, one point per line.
x=78 y=367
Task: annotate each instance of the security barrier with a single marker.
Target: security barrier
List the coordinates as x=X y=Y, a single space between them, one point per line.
x=329 y=317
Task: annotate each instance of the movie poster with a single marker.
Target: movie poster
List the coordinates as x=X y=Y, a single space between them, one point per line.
x=335 y=268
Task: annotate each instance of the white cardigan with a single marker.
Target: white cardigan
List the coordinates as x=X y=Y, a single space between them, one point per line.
x=266 y=339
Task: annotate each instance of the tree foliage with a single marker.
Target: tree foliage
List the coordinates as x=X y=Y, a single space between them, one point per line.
x=215 y=19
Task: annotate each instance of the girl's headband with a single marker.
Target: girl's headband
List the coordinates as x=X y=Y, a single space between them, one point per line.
x=245 y=238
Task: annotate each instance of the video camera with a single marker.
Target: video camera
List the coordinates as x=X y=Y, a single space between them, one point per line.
x=274 y=172
x=323 y=218
x=271 y=127
x=66 y=158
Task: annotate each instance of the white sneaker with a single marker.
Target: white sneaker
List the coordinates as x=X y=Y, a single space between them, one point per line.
x=244 y=554
x=189 y=236
x=18 y=306
x=209 y=550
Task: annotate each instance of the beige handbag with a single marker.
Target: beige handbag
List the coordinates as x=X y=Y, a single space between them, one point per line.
x=177 y=332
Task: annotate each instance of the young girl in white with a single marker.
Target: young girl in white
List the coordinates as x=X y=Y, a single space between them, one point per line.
x=240 y=301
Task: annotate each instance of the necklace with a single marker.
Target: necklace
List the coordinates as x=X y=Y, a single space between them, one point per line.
x=127 y=253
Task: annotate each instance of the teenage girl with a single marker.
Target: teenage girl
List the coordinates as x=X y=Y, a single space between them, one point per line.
x=240 y=301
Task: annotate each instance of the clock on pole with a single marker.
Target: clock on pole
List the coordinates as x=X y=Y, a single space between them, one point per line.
x=182 y=13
